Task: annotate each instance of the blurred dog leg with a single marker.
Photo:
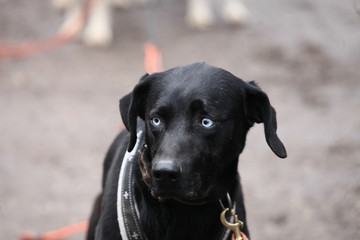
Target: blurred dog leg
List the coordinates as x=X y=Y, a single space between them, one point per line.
x=234 y=12
x=199 y=13
x=72 y=10
x=98 y=31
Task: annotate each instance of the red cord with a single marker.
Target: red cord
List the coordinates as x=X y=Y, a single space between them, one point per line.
x=22 y=50
x=153 y=58
x=58 y=234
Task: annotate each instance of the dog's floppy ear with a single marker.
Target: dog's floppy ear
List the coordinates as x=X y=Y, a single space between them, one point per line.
x=132 y=106
x=259 y=110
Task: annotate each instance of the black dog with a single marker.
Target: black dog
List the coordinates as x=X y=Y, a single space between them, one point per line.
x=194 y=120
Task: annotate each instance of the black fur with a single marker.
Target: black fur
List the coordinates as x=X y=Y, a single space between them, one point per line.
x=196 y=119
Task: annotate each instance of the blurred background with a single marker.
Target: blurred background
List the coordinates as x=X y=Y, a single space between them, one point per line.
x=59 y=110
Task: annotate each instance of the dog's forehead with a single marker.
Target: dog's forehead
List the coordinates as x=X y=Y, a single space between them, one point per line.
x=200 y=83
x=196 y=79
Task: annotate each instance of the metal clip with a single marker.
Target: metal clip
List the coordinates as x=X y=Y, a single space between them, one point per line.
x=237 y=225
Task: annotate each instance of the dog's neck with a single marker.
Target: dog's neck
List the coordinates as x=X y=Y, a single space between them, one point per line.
x=160 y=220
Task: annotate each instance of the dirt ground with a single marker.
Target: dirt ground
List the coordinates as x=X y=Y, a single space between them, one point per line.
x=59 y=112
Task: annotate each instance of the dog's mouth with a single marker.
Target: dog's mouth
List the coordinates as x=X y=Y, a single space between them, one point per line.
x=189 y=198
x=194 y=202
x=165 y=185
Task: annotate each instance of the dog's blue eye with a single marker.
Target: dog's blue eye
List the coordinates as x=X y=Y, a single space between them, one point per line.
x=207 y=123
x=155 y=121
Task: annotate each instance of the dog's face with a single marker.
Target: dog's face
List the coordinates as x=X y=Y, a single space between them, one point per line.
x=196 y=118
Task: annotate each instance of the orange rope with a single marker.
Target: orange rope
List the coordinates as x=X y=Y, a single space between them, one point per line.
x=21 y=50
x=58 y=234
x=153 y=58
x=242 y=235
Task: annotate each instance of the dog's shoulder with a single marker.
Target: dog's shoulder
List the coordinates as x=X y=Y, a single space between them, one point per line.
x=116 y=152
x=107 y=226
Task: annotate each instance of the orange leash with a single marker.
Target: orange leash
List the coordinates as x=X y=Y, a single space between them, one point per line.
x=242 y=235
x=58 y=234
x=153 y=58
x=21 y=50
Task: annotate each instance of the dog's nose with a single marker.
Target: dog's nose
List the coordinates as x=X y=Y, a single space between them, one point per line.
x=166 y=172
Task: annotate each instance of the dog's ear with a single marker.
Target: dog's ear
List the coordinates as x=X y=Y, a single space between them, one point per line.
x=132 y=106
x=259 y=110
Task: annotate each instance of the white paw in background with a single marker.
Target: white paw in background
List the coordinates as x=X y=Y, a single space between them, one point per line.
x=235 y=12
x=98 y=30
x=199 y=14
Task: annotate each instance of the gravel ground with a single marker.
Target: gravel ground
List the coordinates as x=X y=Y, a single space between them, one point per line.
x=59 y=112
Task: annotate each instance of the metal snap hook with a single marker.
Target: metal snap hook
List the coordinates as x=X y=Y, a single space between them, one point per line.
x=237 y=225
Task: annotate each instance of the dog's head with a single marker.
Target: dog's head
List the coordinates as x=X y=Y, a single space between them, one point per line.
x=196 y=119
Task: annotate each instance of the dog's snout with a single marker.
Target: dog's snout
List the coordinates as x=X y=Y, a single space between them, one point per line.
x=166 y=172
